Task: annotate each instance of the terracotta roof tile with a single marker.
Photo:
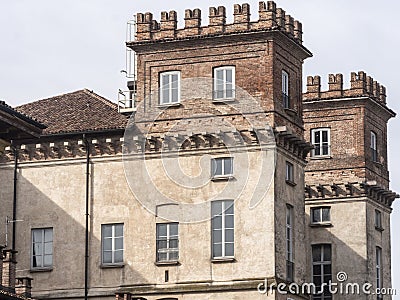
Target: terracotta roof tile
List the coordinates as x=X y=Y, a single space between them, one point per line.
x=78 y=111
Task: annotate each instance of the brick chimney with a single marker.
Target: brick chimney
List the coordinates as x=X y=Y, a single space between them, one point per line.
x=23 y=287
x=9 y=266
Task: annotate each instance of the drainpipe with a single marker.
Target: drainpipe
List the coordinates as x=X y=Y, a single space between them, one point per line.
x=87 y=146
x=14 y=216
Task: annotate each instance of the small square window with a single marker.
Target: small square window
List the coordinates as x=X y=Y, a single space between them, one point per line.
x=378 y=220
x=320 y=215
x=222 y=167
x=289 y=172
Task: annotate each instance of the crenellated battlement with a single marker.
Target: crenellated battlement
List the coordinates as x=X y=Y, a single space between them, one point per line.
x=360 y=85
x=269 y=18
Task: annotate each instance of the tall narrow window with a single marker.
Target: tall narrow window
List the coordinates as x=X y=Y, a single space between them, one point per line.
x=170 y=87
x=289 y=244
x=378 y=220
x=320 y=138
x=167 y=242
x=374 y=151
x=112 y=243
x=322 y=270
x=289 y=172
x=379 y=270
x=224 y=83
x=285 y=90
x=221 y=167
x=222 y=223
x=42 y=248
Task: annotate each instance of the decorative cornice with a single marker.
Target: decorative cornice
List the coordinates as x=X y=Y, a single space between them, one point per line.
x=290 y=141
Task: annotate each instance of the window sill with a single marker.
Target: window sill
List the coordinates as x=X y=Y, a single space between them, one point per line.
x=223 y=178
x=326 y=224
x=379 y=228
x=223 y=100
x=290 y=182
x=167 y=263
x=320 y=157
x=290 y=112
x=112 y=266
x=37 y=270
x=166 y=105
x=223 y=260
x=378 y=163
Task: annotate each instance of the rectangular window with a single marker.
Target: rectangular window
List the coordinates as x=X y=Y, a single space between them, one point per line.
x=378 y=219
x=170 y=87
x=285 y=90
x=320 y=215
x=224 y=83
x=222 y=223
x=320 y=138
x=289 y=172
x=374 y=151
x=167 y=242
x=42 y=248
x=379 y=270
x=112 y=236
x=289 y=244
x=221 y=167
x=322 y=270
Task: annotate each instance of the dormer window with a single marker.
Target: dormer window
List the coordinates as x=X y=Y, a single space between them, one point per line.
x=224 y=83
x=170 y=87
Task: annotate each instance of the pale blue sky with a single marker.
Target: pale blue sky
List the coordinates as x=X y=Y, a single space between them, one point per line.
x=51 y=47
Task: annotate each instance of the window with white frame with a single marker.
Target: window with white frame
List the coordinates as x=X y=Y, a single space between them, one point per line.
x=289 y=244
x=167 y=242
x=320 y=138
x=379 y=270
x=112 y=236
x=378 y=219
x=285 y=90
x=322 y=270
x=221 y=167
x=374 y=151
x=224 y=83
x=289 y=172
x=42 y=248
x=320 y=215
x=170 y=87
x=222 y=223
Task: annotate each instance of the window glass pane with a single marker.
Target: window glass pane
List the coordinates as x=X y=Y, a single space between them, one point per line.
x=229 y=76
x=174 y=255
x=218 y=169
x=173 y=243
x=173 y=229
x=325 y=136
x=119 y=243
x=317 y=137
x=165 y=81
x=316 y=253
x=327 y=253
x=119 y=230
x=161 y=230
x=107 y=244
x=174 y=95
x=229 y=207
x=217 y=236
x=162 y=244
x=229 y=235
x=217 y=250
x=217 y=222
x=316 y=215
x=220 y=76
x=107 y=230
x=37 y=248
x=325 y=149
x=118 y=256
x=229 y=221
x=216 y=208
x=107 y=257
x=229 y=249
x=37 y=236
x=48 y=248
x=48 y=261
x=317 y=270
x=37 y=261
x=48 y=235
x=228 y=165
x=326 y=216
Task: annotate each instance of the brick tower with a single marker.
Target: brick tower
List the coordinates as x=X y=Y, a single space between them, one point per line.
x=348 y=201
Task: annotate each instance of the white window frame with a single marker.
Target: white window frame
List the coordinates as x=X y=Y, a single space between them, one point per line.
x=168 y=250
x=289 y=243
x=322 y=263
x=224 y=173
x=224 y=83
x=373 y=146
x=169 y=89
x=225 y=204
x=289 y=172
x=321 y=143
x=113 y=250
x=285 y=90
x=43 y=251
x=320 y=208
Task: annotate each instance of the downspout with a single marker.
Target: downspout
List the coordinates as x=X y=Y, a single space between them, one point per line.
x=87 y=217
x=14 y=215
